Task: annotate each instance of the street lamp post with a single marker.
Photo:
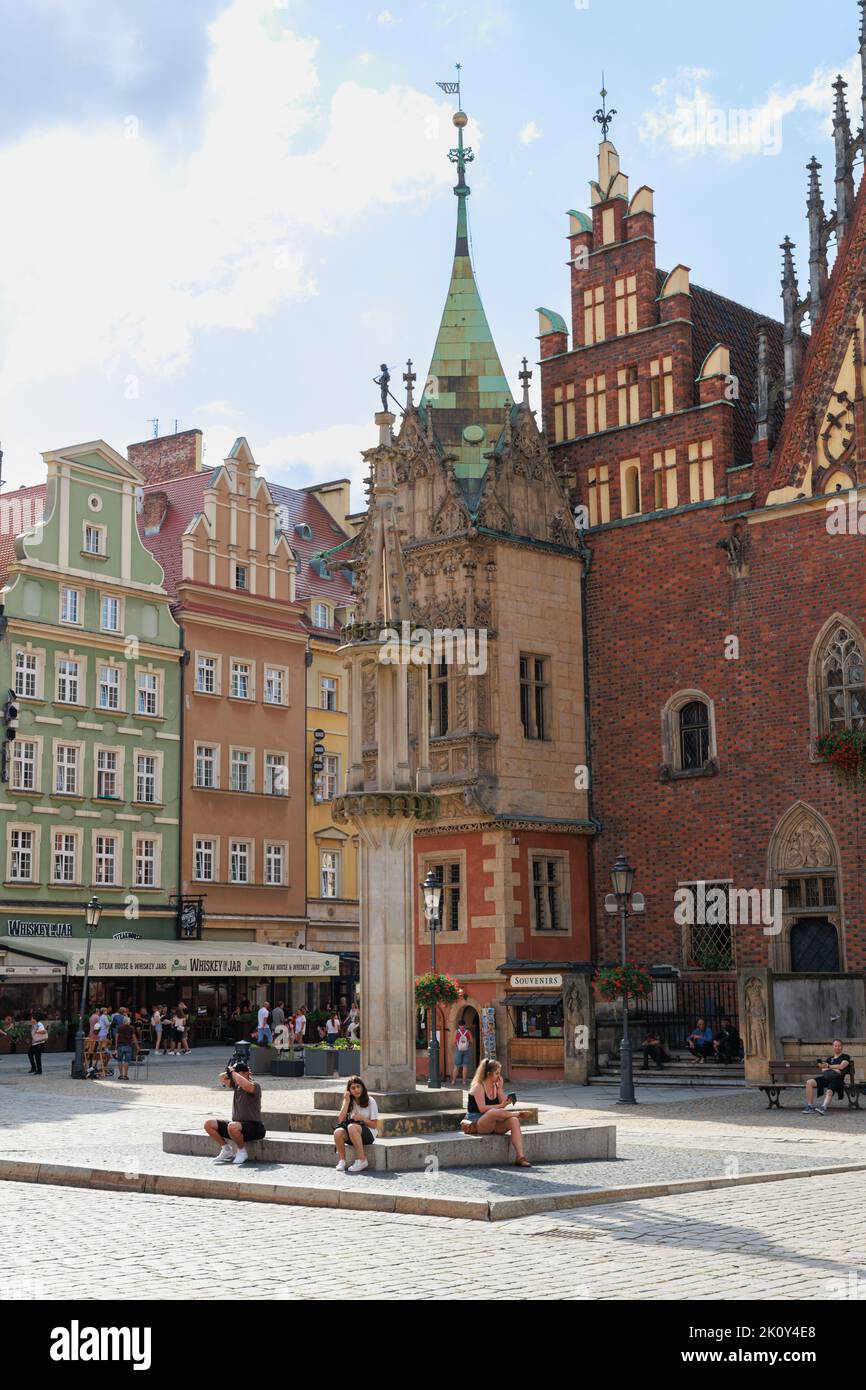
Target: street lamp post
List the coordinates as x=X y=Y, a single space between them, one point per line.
x=432 y=892
x=622 y=878
x=92 y=914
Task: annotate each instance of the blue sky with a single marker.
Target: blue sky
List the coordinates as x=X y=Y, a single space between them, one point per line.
x=229 y=213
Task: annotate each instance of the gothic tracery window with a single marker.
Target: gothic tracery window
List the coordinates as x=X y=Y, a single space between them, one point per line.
x=843 y=685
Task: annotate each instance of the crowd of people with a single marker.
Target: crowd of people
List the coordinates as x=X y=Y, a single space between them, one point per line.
x=293 y=1028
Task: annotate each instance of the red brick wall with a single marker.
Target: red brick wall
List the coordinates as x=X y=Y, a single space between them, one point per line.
x=169 y=456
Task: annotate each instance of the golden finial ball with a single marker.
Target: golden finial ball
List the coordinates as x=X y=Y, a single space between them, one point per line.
x=460 y=118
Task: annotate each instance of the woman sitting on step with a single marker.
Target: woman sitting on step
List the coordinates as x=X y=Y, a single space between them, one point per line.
x=488 y=1111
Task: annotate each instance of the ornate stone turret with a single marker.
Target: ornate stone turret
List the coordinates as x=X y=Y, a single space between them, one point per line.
x=794 y=309
x=844 y=160
x=819 y=233
x=388 y=783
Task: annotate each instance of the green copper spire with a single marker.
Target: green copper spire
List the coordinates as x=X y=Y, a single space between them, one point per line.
x=466 y=385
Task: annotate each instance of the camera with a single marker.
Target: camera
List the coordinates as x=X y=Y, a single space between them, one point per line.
x=240 y=1058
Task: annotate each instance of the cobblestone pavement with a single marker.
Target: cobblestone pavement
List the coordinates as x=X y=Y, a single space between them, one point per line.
x=769 y=1242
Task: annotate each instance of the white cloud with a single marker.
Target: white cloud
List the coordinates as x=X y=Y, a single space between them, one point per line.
x=119 y=253
x=529 y=133
x=688 y=118
x=313 y=457
x=384 y=17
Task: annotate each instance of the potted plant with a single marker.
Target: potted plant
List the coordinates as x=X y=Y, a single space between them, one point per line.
x=845 y=750
x=261 y=1059
x=319 y=1059
x=348 y=1056
x=617 y=981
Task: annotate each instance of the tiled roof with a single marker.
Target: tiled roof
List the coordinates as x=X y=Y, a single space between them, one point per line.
x=304 y=508
x=185 y=500
x=720 y=320
x=19 y=510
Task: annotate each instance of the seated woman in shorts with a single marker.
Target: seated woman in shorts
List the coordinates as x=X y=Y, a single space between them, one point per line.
x=358 y=1115
x=488 y=1112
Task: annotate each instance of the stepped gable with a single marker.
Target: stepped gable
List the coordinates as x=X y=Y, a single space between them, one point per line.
x=184 y=500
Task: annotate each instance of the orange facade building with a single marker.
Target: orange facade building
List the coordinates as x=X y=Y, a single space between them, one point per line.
x=231 y=571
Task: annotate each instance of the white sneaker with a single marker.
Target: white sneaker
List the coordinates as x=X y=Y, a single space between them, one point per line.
x=241 y=1156
x=341 y=1166
x=357 y=1167
x=226 y=1154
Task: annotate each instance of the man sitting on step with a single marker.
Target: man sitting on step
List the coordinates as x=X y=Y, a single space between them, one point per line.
x=245 y=1125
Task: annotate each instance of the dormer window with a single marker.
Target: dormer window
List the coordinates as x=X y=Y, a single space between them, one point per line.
x=321 y=615
x=304 y=531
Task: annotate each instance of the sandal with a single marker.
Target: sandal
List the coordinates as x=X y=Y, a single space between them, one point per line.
x=522 y=1163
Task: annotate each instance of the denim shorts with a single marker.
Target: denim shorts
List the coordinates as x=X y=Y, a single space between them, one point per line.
x=124 y=1052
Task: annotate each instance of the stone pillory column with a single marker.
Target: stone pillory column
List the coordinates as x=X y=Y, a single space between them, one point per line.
x=387 y=792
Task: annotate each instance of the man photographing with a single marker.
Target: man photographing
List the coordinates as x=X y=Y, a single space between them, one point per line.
x=245 y=1124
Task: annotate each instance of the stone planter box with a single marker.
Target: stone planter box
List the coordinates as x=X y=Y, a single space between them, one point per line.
x=287 y=1066
x=261 y=1059
x=320 y=1061
x=348 y=1060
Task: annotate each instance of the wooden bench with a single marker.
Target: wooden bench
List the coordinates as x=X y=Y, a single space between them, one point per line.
x=789 y=1075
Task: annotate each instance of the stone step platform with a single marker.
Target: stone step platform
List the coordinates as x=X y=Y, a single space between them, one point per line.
x=670 y=1078
x=543 y=1144
x=446 y=1098
x=391 y=1125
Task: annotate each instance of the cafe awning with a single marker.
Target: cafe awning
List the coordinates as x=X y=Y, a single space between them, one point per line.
x=196 y=958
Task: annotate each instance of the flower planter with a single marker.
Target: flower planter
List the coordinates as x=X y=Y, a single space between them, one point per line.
x=287 y=1066
x=348 y=1060
x=320 y=1061
x=261 y=1059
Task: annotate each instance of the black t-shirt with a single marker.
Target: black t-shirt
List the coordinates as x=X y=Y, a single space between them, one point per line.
x=834 y=1062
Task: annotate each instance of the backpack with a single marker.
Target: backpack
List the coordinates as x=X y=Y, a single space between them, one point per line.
x=464 y=1042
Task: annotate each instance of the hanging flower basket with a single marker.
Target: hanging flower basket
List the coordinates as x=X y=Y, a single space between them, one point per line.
x=431 y=990
x=614 y=981
x=846 y=752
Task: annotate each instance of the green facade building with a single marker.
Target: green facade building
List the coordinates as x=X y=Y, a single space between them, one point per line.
x=90 y=803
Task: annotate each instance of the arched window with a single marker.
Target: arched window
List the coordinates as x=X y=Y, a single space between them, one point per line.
x=630 y=489
x=843 y=684
x=694 y=735
x=804 y=871
x=688 y=735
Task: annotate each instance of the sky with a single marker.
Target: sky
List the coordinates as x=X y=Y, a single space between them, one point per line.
x=227 y=213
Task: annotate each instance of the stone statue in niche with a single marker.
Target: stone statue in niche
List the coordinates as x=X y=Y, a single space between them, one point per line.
x=756 y=1018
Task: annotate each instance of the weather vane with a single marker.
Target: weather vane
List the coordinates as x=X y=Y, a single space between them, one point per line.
x=460 y=156
x=602 y=115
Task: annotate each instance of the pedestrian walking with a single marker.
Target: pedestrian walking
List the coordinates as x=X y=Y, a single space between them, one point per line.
x=127 y=1046
x=462 y=1054
x=278 y=1016
x=156 y=1028
x=263 y=1032
x=38 y=1040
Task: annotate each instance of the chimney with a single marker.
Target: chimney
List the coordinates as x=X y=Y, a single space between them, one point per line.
x=170 y=456
x=153 y=512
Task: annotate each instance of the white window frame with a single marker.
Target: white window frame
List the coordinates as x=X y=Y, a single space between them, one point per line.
x=17 y=828
x=336 y=870
x=37 y=671
x=245 y=850
x=334 y=708
x=157 y=777
x=282 y=672
x=326 y=776
x=101 y=534
x=148 y=671
x=156 y=840
x=75 y=836
x=77 y=765
x=250 y=764
x=318 y=610
x=78 y=620
x=111 y=599
x=269 y=846
x=246 y=569
x=117 y=858
x=217 y=758
x=120 y=673
x=118 y=752
x=80 y=679
x=217 y=673
x=250 y=666
x=283 y=767
x=17 y=745
x=213 y=842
